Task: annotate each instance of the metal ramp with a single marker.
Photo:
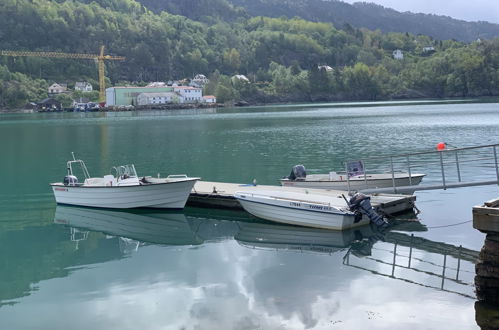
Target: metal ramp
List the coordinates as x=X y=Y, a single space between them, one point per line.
x=445 y=169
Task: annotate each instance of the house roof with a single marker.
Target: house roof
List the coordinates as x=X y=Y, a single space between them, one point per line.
x=117 y=87
x=156 y=84
x=241 y=77
x=209 y=97
x=59 y=85
x=186 y=87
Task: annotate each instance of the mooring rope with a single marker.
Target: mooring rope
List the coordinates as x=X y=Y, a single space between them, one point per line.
x=454 y=224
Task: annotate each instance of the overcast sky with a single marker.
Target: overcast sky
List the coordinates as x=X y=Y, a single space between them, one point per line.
x=476 y=10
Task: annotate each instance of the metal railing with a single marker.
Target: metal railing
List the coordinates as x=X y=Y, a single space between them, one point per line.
x=445 y=169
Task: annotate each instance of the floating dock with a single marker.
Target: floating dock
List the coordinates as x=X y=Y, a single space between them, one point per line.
x=221 y=195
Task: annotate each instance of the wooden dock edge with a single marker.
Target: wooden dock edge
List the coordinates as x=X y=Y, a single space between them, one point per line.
x=221 y=195
x=486 y=219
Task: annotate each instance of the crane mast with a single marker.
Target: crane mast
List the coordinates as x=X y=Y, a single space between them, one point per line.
x=100 y=58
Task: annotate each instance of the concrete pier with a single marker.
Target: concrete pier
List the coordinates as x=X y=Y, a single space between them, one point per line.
x=486 y=219
x=221 y=195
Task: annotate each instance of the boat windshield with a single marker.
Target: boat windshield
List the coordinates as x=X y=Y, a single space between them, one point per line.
x=125 y=171
x=83 y=167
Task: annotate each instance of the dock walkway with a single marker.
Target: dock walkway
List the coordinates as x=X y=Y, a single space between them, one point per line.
x=221 y=195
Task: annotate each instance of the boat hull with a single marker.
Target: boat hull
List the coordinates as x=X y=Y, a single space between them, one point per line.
x=171 y=195
x=322 y=181
x=298 y=213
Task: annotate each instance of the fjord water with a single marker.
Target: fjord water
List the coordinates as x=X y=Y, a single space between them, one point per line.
x=80 y=268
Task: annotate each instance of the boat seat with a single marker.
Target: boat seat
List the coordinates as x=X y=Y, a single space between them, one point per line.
x=95 y=182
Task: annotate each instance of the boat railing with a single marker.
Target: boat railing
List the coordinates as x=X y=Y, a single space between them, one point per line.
x=177 y=176
x=82 y=166
x=444 y=169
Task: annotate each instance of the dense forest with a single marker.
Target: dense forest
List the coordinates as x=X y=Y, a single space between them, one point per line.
x=370 y=16
x=285 y=59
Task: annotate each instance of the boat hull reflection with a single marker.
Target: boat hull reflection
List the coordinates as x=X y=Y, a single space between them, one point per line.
x=164 y=228
x=278 y=236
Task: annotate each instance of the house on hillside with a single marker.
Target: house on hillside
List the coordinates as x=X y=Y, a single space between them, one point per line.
x=156 y=84
x=83 y=86
x=199 y=80
x=56 y=88
x=397 y=54
x=326 y=68
x=428 y=49
x=240 y=77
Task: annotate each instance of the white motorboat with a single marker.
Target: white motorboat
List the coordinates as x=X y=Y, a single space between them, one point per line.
x=354 y=181
x=123 y=190
x=302 y=209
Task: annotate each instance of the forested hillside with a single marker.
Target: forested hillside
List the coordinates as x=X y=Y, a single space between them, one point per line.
x=359 y=15
x=284 y=59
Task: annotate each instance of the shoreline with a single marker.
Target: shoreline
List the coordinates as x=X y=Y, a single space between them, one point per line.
x=242 y=104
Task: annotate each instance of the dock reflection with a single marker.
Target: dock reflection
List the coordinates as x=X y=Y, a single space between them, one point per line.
x=394 y=253
x=418 y=261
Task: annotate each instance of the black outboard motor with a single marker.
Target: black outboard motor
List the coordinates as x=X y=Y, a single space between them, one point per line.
x=361 y=204
x=298 y=172
x=70 y=180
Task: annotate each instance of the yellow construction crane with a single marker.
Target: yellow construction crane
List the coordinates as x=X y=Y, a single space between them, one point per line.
x=99 y=58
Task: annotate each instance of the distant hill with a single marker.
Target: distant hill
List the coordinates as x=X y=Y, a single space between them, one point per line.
x=371 y=16
x=198 y=10
x=359 y=15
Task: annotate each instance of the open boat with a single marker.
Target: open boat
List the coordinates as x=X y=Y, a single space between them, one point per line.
x=125 y=190
x=353 y=181
x=310 y=210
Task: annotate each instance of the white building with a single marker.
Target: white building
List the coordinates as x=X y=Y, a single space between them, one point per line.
x=326 y=68
x=240 y=77
x=428 y=49
x=83 y=86
x=209 y=99
x=190 y=94
x=157 y=84
x=159 y=98
x=398 y=55
x=56 y=88
x=199 y=80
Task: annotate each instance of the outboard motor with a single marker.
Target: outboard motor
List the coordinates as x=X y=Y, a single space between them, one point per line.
x=361 y=204
x=298 y=172
x=70 y=180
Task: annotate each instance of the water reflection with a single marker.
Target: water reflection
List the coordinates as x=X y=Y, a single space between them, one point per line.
x=394 y=254
x=261 y=274
x=144 y=226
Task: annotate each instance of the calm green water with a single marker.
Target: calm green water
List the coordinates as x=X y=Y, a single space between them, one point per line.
x=74 y=268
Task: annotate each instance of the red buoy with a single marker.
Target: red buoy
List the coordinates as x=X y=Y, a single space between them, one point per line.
x=441 y=146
